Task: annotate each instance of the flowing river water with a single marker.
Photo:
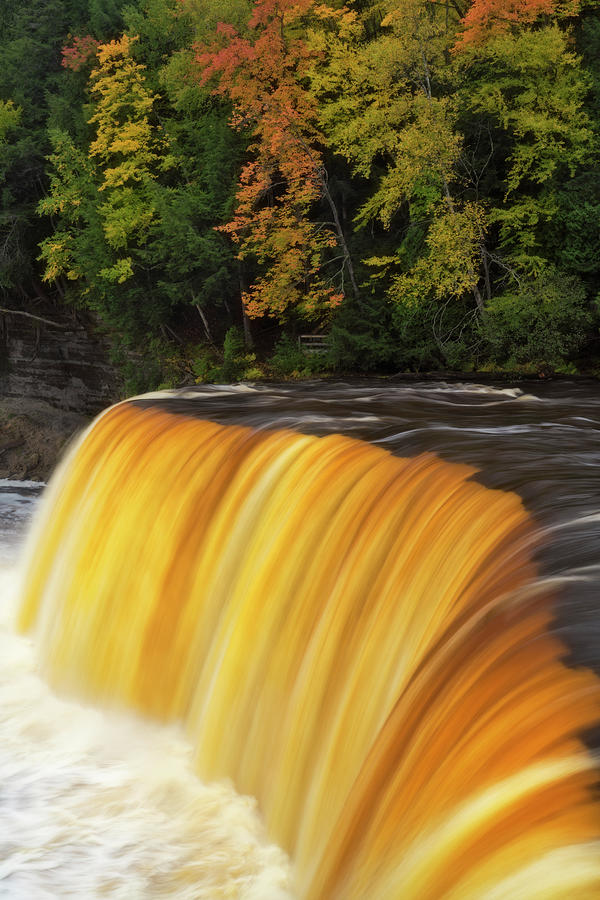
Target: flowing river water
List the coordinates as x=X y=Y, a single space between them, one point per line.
x=540 y=440
x=104 y=803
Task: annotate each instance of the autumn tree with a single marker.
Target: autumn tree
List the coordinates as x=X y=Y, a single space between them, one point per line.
x=135 y=198
x=130 y=150
x=105 y=197
x=489 y=18
x=80 y=52
x=440 y=154
x=304 y=262
x=388 y=106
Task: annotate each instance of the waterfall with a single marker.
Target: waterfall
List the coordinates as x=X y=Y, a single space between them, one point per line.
x=358 y=640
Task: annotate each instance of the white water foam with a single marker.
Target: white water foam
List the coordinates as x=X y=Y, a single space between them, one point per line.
x=96 y=804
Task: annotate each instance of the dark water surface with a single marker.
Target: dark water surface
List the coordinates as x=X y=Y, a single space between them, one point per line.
x=541 y=440
x=17 y=503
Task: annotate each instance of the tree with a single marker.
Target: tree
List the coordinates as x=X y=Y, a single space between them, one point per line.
x=80 y=53
x=30 y=39
x=393 y=116
x=304 y=262
x=199 y=259
x=490 y=18
x=529 y=87
x=68 y=253
x=135 y=198
x=130 y=150
x=31 y=75
x=10 y=258
x=106 y=197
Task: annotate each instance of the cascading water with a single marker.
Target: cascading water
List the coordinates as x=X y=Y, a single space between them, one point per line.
x=361 y=640
x=100 y=804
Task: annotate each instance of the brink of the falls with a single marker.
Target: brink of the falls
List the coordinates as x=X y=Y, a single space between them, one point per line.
x=356 y=639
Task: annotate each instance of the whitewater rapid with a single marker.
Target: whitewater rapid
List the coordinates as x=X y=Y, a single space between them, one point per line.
x=102 y=804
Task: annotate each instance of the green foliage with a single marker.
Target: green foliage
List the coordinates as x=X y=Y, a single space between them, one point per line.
x=431 y=336
x=383 y=106
x=205 y=365
x=205 y=15
x=199 y=259
x=536 y=93
x=363 y=338
x=161 y=30
x=140 y=370
x=450 y=266
x=574 y=236
x=461 y=172
x=532 y=87
x=105 y=17
x=105 y=198
x=135 y=207
x=393 y=336
x=30 y=39
x=287 y=359
x=12 y=261
x=235 y=364
x=10 y=116
x=543 y=322
x=234 y=358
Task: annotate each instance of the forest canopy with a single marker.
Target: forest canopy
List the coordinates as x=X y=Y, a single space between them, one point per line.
x=415 y=180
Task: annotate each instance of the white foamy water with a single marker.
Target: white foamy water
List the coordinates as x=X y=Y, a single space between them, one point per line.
x=96 y=804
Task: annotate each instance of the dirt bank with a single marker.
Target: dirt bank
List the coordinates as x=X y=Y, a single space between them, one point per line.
x=33 y=436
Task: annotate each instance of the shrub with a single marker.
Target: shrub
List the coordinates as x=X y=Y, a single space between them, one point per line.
x=542 y=323
x=290 y=360
x=287 y=358
x=236 y=364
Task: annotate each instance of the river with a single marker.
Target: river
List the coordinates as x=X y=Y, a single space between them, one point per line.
x=106 y=804
x=540 y=440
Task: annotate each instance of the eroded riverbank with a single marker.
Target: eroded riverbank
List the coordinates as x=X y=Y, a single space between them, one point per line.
x=33 y=436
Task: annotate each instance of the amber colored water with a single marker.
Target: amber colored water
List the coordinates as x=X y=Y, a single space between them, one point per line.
x=360 y=640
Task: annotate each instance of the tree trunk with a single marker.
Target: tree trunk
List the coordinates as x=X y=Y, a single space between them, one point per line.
x=205 y=323
x=486 y=271
x=341 y=237
x=322 y=176
x=248 y=339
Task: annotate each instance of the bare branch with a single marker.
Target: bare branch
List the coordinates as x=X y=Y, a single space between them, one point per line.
x=20 y=312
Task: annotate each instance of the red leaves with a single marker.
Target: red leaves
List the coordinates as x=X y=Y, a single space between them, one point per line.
x=284 y=11
x=262 y=76
x=81 y=51
x=487 y=18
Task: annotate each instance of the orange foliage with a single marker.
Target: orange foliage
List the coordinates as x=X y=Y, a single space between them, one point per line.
x=262 y=75
x=487 y=18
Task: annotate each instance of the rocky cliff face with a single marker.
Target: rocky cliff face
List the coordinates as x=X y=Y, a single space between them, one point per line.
x=66 y=367
x=33 y=437
x=52 y=380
